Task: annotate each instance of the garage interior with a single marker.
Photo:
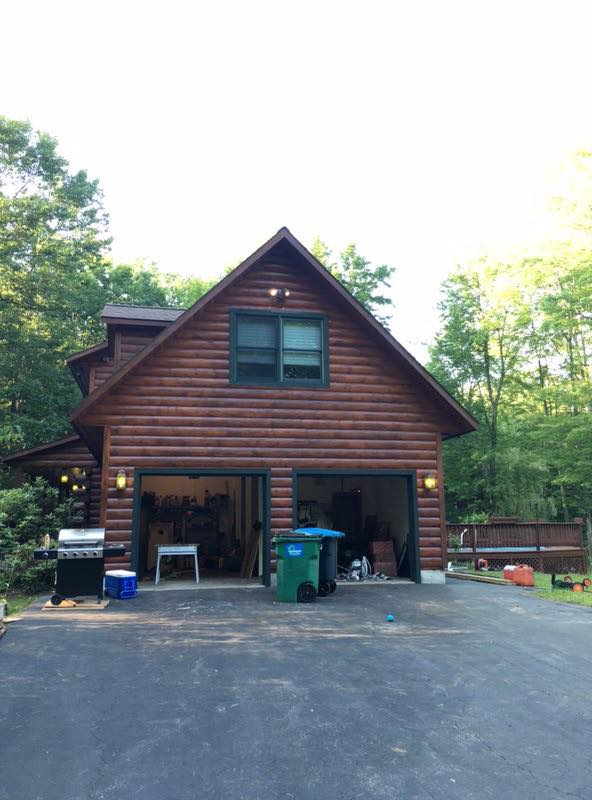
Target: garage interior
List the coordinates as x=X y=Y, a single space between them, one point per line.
x=373 y=512
x=223 y=514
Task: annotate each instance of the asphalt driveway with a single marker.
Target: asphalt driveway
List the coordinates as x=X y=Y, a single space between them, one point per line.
x=475 y=692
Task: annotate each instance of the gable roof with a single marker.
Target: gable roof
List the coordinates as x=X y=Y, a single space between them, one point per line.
x=81 y=362
x=65 y=440
x=466 y=422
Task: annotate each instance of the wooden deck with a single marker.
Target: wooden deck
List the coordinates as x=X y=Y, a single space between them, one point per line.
x=545 y=546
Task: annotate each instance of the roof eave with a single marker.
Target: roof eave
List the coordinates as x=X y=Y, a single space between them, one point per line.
x=41 y=448
x=137 y=322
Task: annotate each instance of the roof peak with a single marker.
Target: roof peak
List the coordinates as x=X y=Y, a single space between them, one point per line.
x=463 y=417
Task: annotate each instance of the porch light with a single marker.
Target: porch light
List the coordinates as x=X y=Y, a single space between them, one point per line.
x=279 y=295
x=64 y=476
x=430 y=482
x=121 y=480
x=78 y=487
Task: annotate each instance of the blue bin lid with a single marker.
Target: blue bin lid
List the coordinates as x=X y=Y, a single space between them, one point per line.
x=320 y=532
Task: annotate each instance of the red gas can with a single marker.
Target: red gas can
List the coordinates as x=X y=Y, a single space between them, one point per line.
x=509 y=572
x=523 y=575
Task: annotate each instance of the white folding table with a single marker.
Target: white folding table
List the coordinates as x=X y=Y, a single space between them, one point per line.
x=176 y=550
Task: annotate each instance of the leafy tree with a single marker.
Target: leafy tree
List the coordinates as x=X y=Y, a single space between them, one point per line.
x=137 y=284
x=480 y=348
x=27 y=513
x=514 y=348
x=55 y=277
x=52 y=243
x=364 y=281
x=184 y=291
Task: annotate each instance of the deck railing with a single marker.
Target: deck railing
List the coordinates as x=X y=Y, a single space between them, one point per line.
x=515 y=535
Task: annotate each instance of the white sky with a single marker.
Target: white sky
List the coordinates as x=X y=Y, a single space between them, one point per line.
x=426 y=132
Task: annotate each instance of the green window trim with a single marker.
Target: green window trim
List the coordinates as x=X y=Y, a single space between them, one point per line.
x=278 y=356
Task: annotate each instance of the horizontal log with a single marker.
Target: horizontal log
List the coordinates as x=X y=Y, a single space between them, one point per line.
x=202 y=370
x=117 y=525
x=431 y=563
x=262 y=438
x=202 y=355
x=430 y=541
x=265 y=462
x=339 y=419
x=284 y=402
x=119 y=536
x=428 y=530
x=171 y=392
x=306 y=450
x=280 y=491
x=272 y=428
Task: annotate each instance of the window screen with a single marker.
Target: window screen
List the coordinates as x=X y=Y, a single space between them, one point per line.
x=301 y=349
x=256 y=352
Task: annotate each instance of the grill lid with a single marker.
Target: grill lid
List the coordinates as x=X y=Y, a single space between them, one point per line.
x=81 y=537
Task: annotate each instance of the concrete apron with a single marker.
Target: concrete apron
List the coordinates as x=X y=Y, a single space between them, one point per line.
x=186 y=584
x=189 y=584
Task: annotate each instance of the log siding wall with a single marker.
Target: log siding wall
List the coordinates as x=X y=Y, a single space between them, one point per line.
x=128 y=341
x=49 y=462
x=178 y=409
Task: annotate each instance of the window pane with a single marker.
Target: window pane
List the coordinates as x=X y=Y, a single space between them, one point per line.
x=301 y=357
x=256 y=363
x=302 y=372
x=302 y=334
x=256 y=332
x=299 y=365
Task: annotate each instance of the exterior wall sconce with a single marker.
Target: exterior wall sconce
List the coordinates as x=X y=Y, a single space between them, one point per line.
x=279 y=295
x=121 y=480
x=78 y=479
x=64 y=477
x=78 y=486
x=430 y=482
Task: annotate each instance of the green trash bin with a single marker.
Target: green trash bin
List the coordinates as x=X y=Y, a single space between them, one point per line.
x=297 y=564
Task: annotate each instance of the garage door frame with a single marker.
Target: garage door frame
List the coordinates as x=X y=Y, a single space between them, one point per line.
x=410 y=477
x=265 y=474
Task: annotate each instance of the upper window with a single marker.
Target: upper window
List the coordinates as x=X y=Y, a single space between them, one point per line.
x=278 y=348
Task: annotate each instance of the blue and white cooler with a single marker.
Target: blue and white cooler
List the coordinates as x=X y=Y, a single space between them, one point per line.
x=121 y=583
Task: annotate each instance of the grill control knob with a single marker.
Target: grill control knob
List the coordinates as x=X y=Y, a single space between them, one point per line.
x=64 y=554
x=84 y=553
x=73 y=554
x=95 y=553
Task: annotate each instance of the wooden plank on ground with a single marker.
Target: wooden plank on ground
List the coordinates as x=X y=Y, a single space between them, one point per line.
x=465 y=576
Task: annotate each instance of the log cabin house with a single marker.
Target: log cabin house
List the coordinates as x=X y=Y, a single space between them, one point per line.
x=276 y=400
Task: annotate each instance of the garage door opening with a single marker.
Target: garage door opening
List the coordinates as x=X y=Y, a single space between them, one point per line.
x=226 y=515
x=375 y=511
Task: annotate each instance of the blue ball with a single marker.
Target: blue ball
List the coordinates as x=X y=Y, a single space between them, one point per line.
x=390 y=618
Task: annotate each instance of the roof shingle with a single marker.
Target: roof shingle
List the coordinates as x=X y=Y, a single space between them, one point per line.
x=148 y=313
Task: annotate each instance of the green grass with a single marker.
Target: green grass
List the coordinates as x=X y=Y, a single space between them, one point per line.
x=17 y=603
x=542 y=581
x=564 y=596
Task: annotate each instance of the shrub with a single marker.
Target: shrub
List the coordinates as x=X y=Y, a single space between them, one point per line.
x=454 y=542
x=27 y=513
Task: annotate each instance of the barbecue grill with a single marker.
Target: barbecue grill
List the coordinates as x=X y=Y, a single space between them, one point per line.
x=80 y=565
